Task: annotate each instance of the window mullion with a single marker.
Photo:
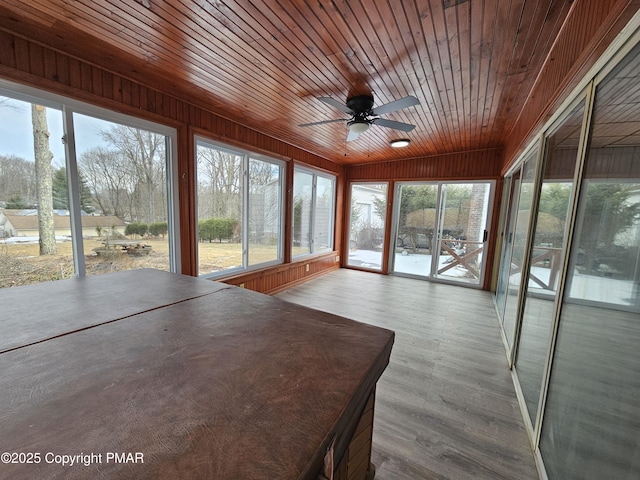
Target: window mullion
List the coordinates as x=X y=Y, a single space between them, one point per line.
x=173 y=207
x=75 y=205
x=245 y=211
x=312 y=219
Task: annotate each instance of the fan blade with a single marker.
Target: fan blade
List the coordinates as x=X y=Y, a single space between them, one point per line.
x=383 y=122
x=351 y=136
x=335 y=104
x=405 y=102
x=322 y=122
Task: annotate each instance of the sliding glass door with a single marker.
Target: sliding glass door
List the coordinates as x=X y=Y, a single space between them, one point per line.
x=415 y=227
x=462 y=231
x=515 y=245
x=547 y=257
x=510 y=206
x=441 y=230
x=592 y=413
x=569 y=283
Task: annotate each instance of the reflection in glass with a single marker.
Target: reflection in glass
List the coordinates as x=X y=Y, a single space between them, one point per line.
x=302 y=209
x=264 y=211
x=517 y=243
x=366 y=224
x=547 y=257
x=592 y=416
x=323 y=215
x=509 y=202
x=607 y=258
x=313 y=212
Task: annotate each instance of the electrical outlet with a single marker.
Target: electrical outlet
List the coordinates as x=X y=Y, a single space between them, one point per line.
x=241 y=285
x=337 y=258
x=306 y=267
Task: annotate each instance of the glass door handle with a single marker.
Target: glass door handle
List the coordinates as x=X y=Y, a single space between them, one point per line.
x=485 y=235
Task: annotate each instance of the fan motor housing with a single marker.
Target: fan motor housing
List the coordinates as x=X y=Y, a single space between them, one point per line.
x=361 y=104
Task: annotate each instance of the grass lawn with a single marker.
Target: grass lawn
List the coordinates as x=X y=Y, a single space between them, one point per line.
x=21 y=264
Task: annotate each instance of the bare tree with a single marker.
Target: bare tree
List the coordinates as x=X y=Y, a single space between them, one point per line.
x=17 y=175
x=261 y=173
x=264 y=200
x=219 y=184
x=111 y=181
x=17 y=179
x=145 y=153
x=44 y=184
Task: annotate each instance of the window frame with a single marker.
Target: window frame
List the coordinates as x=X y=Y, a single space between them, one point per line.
x=312 y=221
x=247 y=155
x=384 y=260
x=70 y=106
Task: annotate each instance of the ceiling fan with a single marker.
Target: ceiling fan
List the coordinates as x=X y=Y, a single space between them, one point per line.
x=363 y=115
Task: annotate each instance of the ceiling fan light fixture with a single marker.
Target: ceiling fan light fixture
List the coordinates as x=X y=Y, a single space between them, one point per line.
x=358 y=127
x=400 y=143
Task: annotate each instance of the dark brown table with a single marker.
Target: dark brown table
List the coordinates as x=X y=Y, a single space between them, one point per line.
x=148 y=374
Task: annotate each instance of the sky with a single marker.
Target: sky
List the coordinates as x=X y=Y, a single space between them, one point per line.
x=16 y=135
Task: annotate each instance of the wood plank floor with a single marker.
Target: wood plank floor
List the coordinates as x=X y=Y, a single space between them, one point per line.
x=446 y=407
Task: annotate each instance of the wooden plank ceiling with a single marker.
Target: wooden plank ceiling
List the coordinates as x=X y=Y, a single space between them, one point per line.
x=470 y=63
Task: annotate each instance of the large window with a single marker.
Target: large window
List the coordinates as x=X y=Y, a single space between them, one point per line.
x=313 y=211
x=83 y=190
x=240 y=198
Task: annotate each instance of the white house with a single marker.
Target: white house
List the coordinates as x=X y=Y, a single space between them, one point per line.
x=24 y=223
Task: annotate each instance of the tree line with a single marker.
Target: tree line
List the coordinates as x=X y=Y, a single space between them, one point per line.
x=125 y=178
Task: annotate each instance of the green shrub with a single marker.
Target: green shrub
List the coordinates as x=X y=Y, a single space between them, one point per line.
x=158 y=229
x=136 y=228
x=216 y=228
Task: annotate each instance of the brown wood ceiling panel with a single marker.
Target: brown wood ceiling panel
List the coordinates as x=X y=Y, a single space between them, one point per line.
x=531 y=48
x=471 y=63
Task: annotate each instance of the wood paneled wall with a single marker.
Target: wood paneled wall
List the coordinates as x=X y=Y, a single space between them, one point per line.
x=589 y=29
x=479 y=164
x=29 y=63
